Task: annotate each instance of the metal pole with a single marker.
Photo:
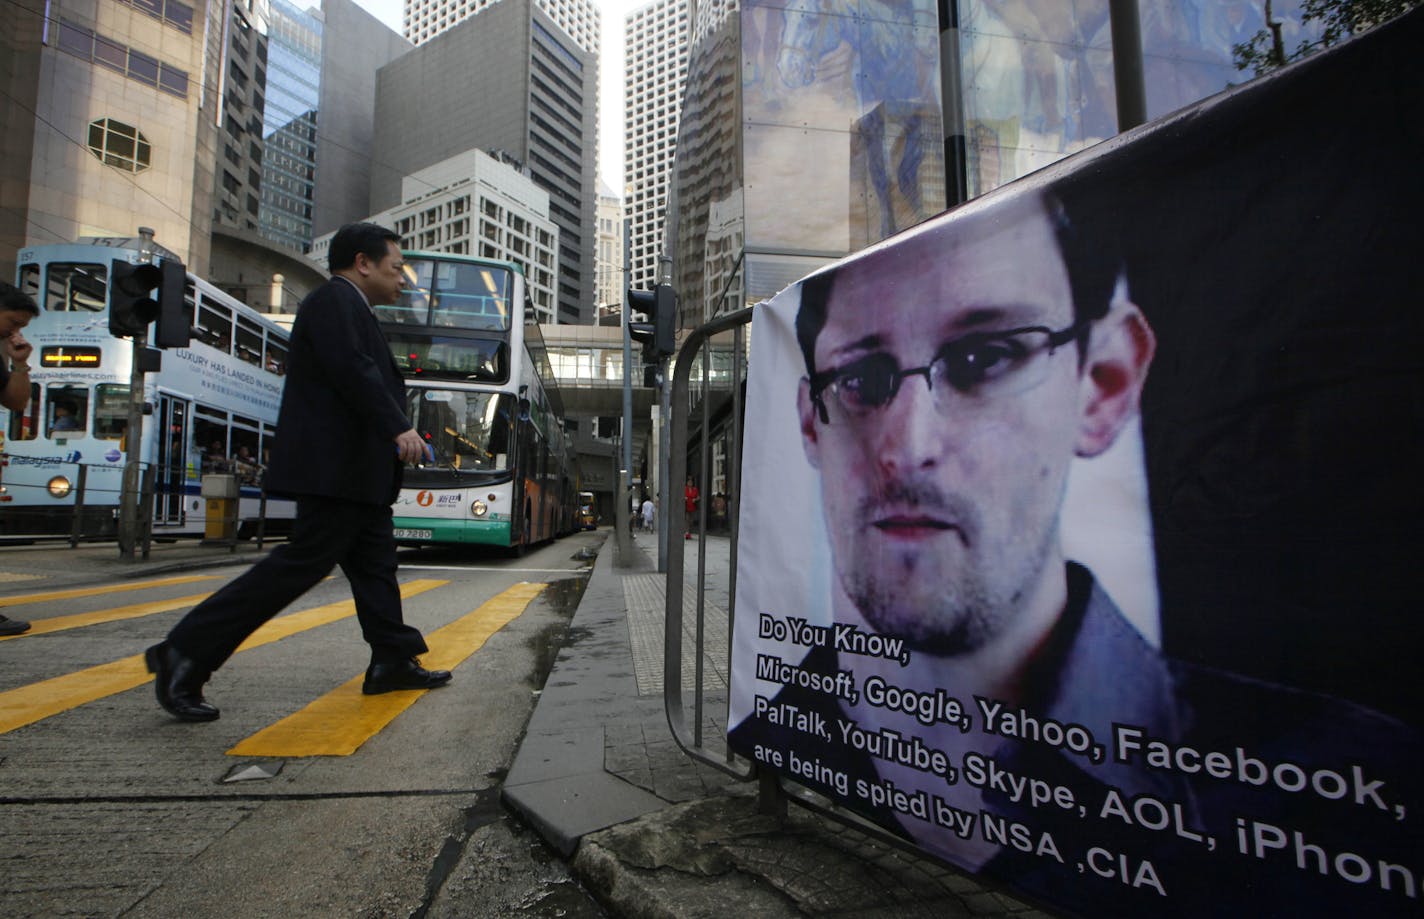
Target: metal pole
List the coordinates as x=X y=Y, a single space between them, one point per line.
x=624 y=488
x=77 y=527
x=133 y=449
x=1127 y=64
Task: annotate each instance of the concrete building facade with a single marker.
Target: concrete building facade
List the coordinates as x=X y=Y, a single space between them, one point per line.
x=610 y=254
x=108 y=123
x=536 y=103
x=425 y=19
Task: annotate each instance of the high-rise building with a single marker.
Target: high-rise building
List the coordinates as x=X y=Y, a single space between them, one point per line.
x=475 y=204
x=289 y=125
x=106 y=123
x=535 y=102
x=656 y=39
x=610 y=253
x=356 y=45
x=425 y=19
x=237 y=199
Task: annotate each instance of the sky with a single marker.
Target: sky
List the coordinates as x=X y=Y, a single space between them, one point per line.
x=610 y=83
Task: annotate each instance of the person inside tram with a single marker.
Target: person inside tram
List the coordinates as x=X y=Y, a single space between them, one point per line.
x=65 y=418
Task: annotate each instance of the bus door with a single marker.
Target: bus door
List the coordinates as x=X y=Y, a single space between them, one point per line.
x=172 y=466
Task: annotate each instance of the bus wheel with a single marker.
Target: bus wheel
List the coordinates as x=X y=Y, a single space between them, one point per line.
x=521 y=547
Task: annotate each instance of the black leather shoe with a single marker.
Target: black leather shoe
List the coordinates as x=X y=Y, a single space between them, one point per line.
x=13 y=626
x=406 y=674
x=178 y=682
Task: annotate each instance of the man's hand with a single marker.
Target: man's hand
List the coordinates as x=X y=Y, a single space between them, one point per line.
x=410 y=446
x=16 y=348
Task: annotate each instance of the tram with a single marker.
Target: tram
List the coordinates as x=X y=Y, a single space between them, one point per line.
x=210 y=409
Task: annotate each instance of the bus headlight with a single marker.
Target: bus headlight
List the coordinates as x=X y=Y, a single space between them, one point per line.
x=58 y=487
x=478 y=508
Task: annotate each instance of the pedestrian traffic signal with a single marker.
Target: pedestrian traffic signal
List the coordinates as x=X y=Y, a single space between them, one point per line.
x=132 y=305
x=175 y=323
x=659 y=337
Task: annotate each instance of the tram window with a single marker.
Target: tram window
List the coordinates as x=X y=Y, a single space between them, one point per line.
x=210 y=439
x=30 y=281
x=111 y=410
x=72 y=288
x=268 y=434
x=25 y=425
x=276 y=357
x=214 y=326
x=249 y=342
x=67 y=411
x=245 y=452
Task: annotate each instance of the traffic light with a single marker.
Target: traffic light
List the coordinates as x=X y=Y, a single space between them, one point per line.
x=659 y=337
x=175 y=326
x=664 y=319
x=131 y=304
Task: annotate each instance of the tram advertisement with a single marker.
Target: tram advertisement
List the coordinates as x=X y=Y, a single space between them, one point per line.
x=1081 y=524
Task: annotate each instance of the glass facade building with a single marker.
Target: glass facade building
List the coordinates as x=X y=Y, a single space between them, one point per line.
x=813 y=128
x=289 y=125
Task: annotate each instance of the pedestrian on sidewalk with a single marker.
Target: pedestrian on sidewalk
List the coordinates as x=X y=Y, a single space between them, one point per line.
x=649 y=510
x=690 y=494
x=16 y=311
x=342 y=439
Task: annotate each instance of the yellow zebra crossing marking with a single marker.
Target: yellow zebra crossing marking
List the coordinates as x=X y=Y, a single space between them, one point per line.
x=37 y=701
x=338 y=723
x=79 y=620
x=21 y=599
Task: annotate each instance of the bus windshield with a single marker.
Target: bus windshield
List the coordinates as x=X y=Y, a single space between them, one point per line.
x=448 y=357
x=452 y=295
x=468 y=431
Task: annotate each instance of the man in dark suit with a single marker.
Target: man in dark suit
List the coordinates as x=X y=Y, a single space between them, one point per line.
x=342 y=438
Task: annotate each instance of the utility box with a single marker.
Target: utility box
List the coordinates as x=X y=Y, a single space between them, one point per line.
x=221 y=494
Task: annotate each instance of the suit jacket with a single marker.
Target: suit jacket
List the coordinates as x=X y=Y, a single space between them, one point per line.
x=343 y=404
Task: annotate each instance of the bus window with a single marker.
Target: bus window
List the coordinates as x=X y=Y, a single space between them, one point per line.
x=25 y=425
x=249 y=342
x=214 y=325
x=467 y=430
x=76 y=287
x=471 y=297
x=413 y=307
x=68 y=408
x=111 y=410
x=276 y=357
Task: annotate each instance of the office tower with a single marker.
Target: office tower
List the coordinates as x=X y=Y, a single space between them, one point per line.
x=425 y=19
x=106 y=123
x=656 y=71
x=610 y=254
x=356 y=45
x=237 y=202
x=510 y=81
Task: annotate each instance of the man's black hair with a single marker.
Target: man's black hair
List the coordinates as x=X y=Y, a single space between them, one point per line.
x=359 y=238
x=16 y=300
x=1092 y=264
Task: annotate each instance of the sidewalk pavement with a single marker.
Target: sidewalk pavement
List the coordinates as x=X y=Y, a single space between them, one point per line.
x=655 y=833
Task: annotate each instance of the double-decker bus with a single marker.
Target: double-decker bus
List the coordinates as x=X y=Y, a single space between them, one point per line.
x=211 y=408
x=482 y=394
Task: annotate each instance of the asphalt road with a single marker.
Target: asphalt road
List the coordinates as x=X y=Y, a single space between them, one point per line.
x=108 y=807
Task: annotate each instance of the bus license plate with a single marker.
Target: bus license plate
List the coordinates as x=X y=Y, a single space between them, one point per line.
x=414 y=534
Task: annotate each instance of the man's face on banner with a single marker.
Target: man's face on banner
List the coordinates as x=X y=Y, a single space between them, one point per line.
x=942 y=499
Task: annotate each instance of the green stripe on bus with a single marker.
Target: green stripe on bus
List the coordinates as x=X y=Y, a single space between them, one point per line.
x=482 y=532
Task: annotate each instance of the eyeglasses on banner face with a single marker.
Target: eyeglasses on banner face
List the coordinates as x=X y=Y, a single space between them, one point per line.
x=977 y=367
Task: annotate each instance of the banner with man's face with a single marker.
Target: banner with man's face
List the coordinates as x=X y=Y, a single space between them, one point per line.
x=1080 y=525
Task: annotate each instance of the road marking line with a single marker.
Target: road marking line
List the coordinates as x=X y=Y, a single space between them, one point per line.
x=37 y=701
x=338 y=723
x=79 y=620
x=112 y=588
